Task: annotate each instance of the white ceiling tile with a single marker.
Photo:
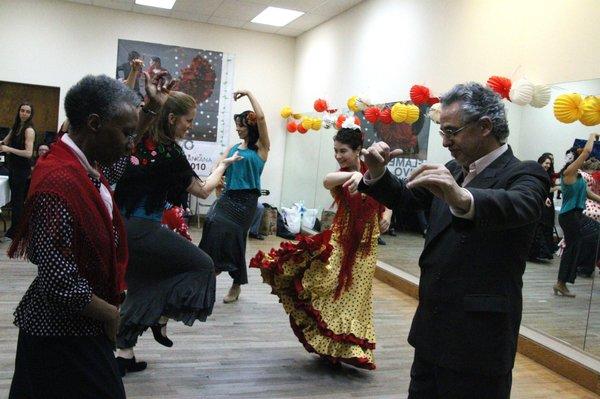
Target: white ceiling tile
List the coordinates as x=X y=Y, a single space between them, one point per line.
x=203 y=7
x=304 y=5
x=290 y=32
x=235 y=23
x=307 y=21
x=126 y=5
x=189 y=16
x=261 y=27
x=334 y=7
x=236 y=9
x=152 y=10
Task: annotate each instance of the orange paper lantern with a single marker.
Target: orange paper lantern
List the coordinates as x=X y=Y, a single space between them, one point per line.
x=302 y=129
x=320 y=105
x=500 y=85
x=385 y=116
x=372 y=114
x=419 y=94
x=292 y=127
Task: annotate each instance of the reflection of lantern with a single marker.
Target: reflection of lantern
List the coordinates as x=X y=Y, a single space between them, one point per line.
x=399 y=112
x=541 y=96
x=567 y=107
x=353 y=104
x=412 y=114
x=591 y=111
x=521 y=92
x=302 y=129
x=500 y=85
x=307 y=123
x=385 y=116
x=419 y=94
x=320 y=105
x=435 y=112
x=292 y=127
x=372 y=114
x=286 y=112
x=316 y=124
x=357 y=121
x=340 y=120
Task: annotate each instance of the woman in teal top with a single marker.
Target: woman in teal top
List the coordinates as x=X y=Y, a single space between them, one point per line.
x=227 y=223
x=581 y=232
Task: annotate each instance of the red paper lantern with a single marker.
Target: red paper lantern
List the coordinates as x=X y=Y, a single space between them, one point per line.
x=385 y=116
x=357 y=120
x=419 y=94
x=320 y=105
x=339 y=121
x=292 y=127
x=500 y=85
x=372 y=114
x=301 y=129
x=433 y=100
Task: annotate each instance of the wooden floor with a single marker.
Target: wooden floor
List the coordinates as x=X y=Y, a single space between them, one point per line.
x=560 y=317
x=247 y=350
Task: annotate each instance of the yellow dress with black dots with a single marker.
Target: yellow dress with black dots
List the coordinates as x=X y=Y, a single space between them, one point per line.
x=305 y=280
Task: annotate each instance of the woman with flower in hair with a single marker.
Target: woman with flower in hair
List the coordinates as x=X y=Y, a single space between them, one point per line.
x=227 y=223
x=325 y=282
x=581 y=232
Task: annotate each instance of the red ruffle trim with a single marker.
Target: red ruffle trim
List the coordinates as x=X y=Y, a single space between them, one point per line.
x=360 y=362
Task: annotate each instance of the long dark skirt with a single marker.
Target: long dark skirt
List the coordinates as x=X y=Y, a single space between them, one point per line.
x=167 y=276
x=226 y=230
x=65 y=367
x=582 y=236
x=543 y=243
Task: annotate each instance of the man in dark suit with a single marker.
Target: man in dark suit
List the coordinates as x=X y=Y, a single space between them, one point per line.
x=484 y=206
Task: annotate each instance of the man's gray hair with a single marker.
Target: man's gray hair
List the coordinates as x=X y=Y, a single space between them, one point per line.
x=477 y=101
x=97 y=95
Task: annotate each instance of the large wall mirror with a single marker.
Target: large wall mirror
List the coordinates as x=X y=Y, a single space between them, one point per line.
x=573 y=320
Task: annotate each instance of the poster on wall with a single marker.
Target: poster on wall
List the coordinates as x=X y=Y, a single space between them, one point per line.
x=411 y=139
x=205 y=75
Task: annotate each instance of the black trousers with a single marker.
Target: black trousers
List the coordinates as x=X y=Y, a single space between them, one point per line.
x=65 y=367
x=18 y=181
x=428 y=381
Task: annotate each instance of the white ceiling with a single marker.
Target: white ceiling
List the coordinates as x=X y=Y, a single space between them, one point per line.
x=238 y=13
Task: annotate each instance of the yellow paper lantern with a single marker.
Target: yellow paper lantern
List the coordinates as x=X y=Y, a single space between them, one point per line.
x=591 y=111
x=286 y=112
x=307 y=123
x=399 y=112
x=317 y=123
x=297 y=116
x=567 y=107
x=412 y=114
x=352 y=104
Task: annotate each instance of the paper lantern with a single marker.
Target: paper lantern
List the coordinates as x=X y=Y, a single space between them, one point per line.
x=500 y=85
x=362 y=103
x=521 y=92
x=320 y=105
x=307 y=123
x=340 y=120
x=316 y=124
x=357 y=121
x=419 y=94
x=352 y=104
x=433 y=100
x=399 y=112
x=302 y=129
x=372 y=114
x=328 y=121
x=567 y=107
x=541 y=96
x=286 y=112
x=412 y=114
x=591 y=111
x=435 y=112
x=297 y=116
x=385 y=116
x=292 y=127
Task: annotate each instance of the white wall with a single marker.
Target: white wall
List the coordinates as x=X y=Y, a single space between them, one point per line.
x=383 y=47
x=56 y=43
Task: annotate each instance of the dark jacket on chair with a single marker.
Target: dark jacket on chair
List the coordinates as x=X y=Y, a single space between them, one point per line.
x=471 y=270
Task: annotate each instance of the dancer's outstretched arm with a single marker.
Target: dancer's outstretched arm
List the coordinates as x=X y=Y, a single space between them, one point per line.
x=203 y=189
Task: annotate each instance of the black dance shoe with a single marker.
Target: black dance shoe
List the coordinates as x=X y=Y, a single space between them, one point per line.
x=130 y=365
x=161 y=339
x=380 y=241
x=256 y=236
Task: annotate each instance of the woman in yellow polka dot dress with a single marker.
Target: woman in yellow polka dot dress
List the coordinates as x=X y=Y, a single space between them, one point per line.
x=325 y=282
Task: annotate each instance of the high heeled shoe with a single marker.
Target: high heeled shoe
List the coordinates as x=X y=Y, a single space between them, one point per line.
x=564 y=291
x=130 y=365
x=233 y=294
x=159 y=337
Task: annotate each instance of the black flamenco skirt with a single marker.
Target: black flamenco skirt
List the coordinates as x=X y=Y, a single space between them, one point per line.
x=65 y=367
x=226 y=230
x=582 y=240
x=167 y=275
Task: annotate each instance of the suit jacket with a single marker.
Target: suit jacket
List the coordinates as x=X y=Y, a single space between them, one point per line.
x=470 y=298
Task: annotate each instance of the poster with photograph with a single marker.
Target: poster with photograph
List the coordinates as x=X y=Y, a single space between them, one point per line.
x=411 y=139
x=205 y=75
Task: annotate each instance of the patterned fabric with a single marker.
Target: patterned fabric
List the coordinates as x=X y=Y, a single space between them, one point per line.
x=305 y=277
x=592 y=208
x=156 y=174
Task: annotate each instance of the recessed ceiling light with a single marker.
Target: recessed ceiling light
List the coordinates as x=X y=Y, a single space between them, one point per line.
x=168 y=4
x=276 y=16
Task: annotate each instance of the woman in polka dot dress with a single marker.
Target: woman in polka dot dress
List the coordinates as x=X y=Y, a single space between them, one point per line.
x=325 y=282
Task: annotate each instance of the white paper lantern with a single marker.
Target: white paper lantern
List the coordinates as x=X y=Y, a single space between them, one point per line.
x=521 y=92
x=435 y=112
x=541 y=96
